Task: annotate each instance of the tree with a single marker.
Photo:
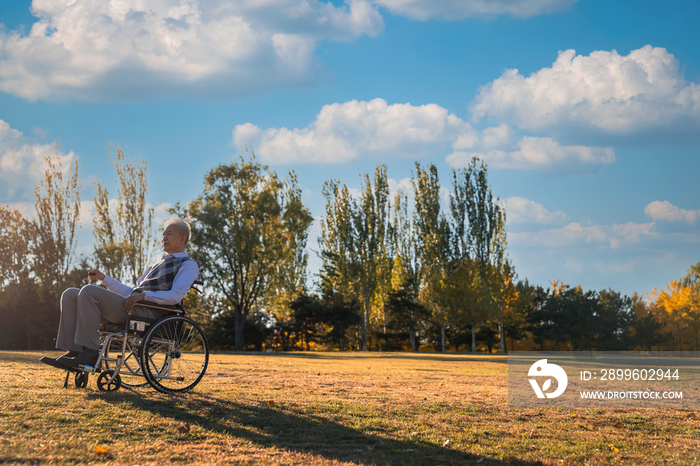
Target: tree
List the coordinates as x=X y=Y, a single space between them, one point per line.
x=370 y=222
x=613 y=320
x=406 y=314
x=431 y=242
x=20 y=307
x=245 y=227
x=337 y=242
x=506 y=297
x=342 y=312
x=57 y=211
x=307 y=314
x=647 y=328
x=124 y=240
x=354 y=239
x=538 y=320
x=478 y=226
x=682 y=307
x=692 y=278
x=15 y=247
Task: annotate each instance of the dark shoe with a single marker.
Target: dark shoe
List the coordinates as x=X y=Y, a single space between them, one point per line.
x=87 y=358
x=54 y=363
x=69 y=354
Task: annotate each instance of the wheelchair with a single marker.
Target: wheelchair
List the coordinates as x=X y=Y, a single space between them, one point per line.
x=170 y=353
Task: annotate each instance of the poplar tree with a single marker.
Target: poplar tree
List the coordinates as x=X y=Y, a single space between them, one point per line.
x=337 y=240
x=354 y=238
x=478 y=222
x=370 y=221
x=431 y=242
x=124 y=239
x=57 y=212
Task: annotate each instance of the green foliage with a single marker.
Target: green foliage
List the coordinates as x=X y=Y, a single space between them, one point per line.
x=571 y=318
x=692 y=278
x=407 y=317
x=355 y=240
x=249 y=233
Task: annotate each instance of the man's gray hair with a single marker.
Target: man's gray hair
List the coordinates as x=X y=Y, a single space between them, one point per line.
x=182 y=226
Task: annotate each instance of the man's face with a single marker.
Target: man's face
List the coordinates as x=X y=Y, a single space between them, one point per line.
x=173 y=240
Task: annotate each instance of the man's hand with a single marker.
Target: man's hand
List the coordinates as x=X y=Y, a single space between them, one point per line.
x=95 y=274
x=131 y=301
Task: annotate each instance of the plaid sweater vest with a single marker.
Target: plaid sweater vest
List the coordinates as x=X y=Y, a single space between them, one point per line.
x=161 y=275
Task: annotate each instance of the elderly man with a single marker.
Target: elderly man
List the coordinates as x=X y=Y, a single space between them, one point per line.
x=165 y=282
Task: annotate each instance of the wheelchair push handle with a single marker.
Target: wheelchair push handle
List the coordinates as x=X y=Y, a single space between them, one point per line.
x=197 y=282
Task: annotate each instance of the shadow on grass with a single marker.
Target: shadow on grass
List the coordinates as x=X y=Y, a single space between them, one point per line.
x=282 y=429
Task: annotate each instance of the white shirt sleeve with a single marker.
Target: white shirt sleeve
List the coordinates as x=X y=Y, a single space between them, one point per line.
x=116 y=286
x=186 y=275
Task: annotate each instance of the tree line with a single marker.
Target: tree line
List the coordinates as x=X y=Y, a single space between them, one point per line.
x=426 y=268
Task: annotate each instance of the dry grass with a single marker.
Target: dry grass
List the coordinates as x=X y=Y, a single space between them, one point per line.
x=323 y=408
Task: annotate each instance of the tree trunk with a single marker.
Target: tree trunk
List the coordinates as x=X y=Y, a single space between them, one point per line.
x=384 y=317
x=240 y=323
x=414 y=342
x=473 y=338
x=443 y=337
x=503 y=337
x=365 y=325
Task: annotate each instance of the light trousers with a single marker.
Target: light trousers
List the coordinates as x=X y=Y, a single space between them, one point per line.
x=82 y=312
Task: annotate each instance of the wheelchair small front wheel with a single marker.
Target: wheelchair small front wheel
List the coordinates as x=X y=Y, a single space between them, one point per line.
x=81 y=379
x=174 y=355
x=105 y=385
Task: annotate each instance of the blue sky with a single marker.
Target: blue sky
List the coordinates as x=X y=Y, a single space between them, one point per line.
x=593 y=141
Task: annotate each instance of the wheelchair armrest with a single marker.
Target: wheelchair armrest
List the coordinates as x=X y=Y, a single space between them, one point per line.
x=161 y=307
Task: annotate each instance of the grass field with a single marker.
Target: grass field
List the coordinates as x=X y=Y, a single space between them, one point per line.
x=324 y=408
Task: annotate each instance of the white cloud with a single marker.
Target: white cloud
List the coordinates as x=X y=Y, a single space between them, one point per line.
x=573 y=234
x=665 y=211
x=146 y=48
x=351 y=130
x=24 y=208
x=22 y=164
x=524 y=211
x=404 y=185
x=604 y=90
x=534 y=152
x=161 y=213
x=343 y=132
x=458 y=9
x=86 y=213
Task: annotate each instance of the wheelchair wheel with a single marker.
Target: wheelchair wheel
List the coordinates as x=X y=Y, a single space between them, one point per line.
x=132 y=361
x=175 y=354
x=103 y=382
x=81 y=379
